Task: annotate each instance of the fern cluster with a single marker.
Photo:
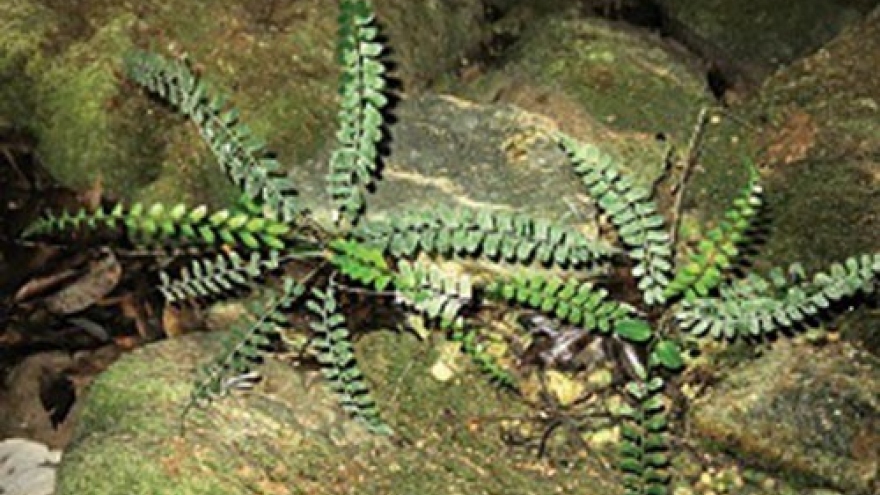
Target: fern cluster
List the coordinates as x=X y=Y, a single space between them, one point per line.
x=401 y=257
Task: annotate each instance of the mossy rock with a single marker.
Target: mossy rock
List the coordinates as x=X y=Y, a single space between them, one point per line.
x=618 y=88
x=760 y=37
x=289 y=436
x=571 y=67
x=276 y=61
x=808 y=413
x=822 y=141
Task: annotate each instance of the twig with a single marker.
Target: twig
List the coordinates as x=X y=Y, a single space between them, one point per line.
x=690 y=160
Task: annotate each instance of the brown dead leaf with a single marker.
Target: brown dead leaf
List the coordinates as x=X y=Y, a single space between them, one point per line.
x=792 y=141
x=101 y=277
x=41 y=286
x=127 y=342
x=177 y=321
x=138 y=308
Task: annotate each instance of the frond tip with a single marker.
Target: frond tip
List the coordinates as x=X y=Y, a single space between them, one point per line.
x=704 y=268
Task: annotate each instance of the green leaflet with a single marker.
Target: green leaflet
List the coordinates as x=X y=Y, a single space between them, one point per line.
x=667 y=355
x=638 y=331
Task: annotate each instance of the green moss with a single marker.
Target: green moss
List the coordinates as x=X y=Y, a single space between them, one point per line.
x=620 y=79
x=80 y=140
x=24 y=25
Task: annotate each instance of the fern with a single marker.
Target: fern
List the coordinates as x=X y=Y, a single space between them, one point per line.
x=241 y=155
x=755 y=306
x=245 y=343
x=338 y=364
x=632 y=211
x=383 y=256
x=178 y=223
x=361 y=86
x=207 y=278
x=494 y=235
x=577 y=303
x=704 y=269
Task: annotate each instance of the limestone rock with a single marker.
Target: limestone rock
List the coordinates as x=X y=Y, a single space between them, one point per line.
x=27 y=467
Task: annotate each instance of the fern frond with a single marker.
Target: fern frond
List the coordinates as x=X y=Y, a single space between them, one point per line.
x=572 y=301
x=640 y=227
x=644 y=446
x=338 y=364
x=246 y=342
x=207 y=278
x=241 y=155
x=496 y=235
x=177 y=223
x=469 y=339
x=704 y=268
x=361 y=85
x=754 y=306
